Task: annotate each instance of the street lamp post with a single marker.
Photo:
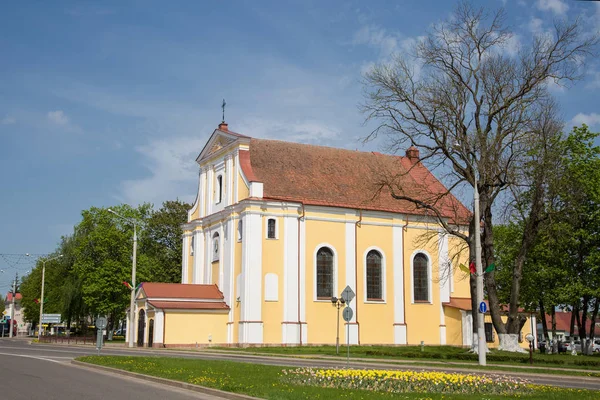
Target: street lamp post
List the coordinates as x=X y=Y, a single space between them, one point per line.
x=44 y=261
x=338 y=303
x=130 y=328
x=482 y=348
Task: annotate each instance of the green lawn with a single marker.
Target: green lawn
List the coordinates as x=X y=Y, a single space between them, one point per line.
x=265 y=381
x=433 y=353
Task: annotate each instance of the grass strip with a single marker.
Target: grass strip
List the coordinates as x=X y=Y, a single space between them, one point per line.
x=265 y=381
x=431 y=353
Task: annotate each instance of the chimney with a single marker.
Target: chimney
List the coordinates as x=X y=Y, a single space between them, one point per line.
x=223 y=126
x=412 y=153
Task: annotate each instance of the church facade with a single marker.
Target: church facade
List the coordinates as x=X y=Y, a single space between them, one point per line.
x=278 y=229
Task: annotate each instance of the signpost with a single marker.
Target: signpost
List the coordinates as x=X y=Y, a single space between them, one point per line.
x=348 y=295
x=51 y=318
x=101 y=323
x=482 y=307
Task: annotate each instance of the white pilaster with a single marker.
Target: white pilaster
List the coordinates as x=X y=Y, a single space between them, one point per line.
x=184 y=259
x=236 y=174
x=199 y=265
x=290 y=328
x=159 y=325
x=399 y=297
x=227 y=261
x=251 y=325
x=202 y=193
x=444 y=281
x=350 y=246
x=229 y=179
x=304 y=326
x=208 y=196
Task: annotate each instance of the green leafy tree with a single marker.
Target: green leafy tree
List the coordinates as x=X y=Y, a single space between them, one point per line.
x=162 y=243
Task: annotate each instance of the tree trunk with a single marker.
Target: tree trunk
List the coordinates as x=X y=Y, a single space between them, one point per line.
x=554 y=341
x=544 y=324
x=589 y=348
x=572 y=326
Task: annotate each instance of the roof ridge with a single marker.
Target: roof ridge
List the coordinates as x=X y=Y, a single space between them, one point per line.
x=341 y=149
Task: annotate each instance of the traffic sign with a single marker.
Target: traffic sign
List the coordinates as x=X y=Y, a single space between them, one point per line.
x=348 y=294
x=51 y=318
x=348 y=313
x=101 y=322
x=482 y=307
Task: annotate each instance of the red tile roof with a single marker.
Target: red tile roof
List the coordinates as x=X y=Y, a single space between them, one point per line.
x=181 y=291
x=17 y=296
x=326 y=176
x=563 y=323
x=190 y=305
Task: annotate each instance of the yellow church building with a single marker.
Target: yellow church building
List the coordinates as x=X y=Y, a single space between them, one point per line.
x=278 y=229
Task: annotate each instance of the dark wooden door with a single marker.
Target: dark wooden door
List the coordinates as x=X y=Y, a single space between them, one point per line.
x=150 y=333
x=141 y=326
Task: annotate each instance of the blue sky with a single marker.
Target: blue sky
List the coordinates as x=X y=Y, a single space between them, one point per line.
x=110 y=102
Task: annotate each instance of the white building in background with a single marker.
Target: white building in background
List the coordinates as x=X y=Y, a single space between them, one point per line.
x=18 y=314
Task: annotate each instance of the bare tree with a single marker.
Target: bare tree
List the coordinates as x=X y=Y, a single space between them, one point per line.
x=475 y=107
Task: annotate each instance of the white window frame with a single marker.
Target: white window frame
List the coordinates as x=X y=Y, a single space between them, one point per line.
x=334 y=272
x=429 y=277
x=383 y=276
x=267 y=228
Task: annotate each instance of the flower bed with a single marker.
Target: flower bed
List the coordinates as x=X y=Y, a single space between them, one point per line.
x=409 y=381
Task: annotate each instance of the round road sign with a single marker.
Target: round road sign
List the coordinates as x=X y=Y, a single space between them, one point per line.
x=348 y=313
x=101 y=322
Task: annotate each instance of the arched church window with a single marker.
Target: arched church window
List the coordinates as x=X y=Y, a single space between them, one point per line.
x=324 y=273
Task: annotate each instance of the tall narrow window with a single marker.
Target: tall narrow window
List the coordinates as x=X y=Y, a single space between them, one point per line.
x=420 y=278
x=239 y=238
x=324 y=273
x=271 y=228
x=215 y=249
x=219 y=188
x=374 y=282
x=489 y=332
x=192 y=246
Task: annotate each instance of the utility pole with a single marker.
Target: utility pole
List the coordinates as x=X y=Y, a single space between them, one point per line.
x=12 y=306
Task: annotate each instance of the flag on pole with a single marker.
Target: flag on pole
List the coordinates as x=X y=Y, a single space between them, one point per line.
x=464 y=268
x=127 y=285
x=36 y=301
x=490 y=268
x=472 y=267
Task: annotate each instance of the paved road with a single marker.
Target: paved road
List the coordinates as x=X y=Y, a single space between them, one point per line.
x=66 y=353
x=28 y=374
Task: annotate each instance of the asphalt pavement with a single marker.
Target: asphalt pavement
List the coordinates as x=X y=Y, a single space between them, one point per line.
x=28 y=373
x=63 y=354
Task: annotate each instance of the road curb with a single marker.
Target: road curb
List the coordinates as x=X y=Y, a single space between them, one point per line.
x=169 y=382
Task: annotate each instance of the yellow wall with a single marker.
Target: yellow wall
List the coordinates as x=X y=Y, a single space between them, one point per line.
x=375 y=319
x=453 y=326
x=215 y=272
x=191 y=328
x=272 y=258
x=422 y=319
x=236 y=306
x=321 y=315
x=243 y=190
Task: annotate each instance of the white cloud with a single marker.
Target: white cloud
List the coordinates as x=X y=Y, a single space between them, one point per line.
x=58 y=117
x=588 y=119
x=512 y=45
x=8 y=120
x=558 y=7
x=172 y=171
x=308 y=131
x=375 y=37
x=535 y=25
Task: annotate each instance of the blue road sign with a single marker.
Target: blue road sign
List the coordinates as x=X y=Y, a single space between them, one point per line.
x=482 y=307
